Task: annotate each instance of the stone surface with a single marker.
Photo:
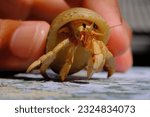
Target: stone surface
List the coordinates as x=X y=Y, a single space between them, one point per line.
x=134 y=84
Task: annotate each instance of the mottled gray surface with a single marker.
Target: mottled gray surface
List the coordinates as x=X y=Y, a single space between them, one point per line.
x=134 y=84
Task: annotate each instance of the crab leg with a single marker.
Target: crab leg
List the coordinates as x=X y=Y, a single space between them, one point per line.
x=68 y=63
x=110 y=61
x=45 y=60
x=90 y=67
x=96 y=61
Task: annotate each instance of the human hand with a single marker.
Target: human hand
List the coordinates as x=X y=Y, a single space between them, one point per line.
x=16 y=52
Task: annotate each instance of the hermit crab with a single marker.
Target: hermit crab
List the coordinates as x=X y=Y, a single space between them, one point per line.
x=77 y=40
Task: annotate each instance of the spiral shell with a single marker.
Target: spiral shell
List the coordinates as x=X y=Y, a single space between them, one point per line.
x=81 y=56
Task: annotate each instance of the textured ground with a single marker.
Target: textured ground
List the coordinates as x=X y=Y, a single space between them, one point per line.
x=134 y=84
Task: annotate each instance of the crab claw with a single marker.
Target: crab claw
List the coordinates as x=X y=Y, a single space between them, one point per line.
x=96 y=61
x=109 y=59
x=44 y=61
x=68 y=63
x=100 y=57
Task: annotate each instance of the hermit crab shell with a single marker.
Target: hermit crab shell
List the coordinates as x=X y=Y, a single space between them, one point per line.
x=81 y=56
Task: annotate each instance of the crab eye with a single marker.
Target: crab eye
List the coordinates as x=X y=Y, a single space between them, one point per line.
x=84 y=25
x=95 y=26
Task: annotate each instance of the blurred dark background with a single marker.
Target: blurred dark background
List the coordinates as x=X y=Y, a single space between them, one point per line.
x=137 y=14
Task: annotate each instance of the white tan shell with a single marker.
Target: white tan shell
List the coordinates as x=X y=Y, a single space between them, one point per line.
x=81 y=56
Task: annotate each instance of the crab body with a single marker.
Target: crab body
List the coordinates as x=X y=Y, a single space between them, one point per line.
x=77 y=40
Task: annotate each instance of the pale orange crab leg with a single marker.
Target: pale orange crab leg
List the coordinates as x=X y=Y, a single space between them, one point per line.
x=110 y=61
x=96 y=61
x=45 y=60
x=90 y=67
x=68 y=63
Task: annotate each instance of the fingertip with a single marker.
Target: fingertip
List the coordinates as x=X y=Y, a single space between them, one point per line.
x=27 y=40
x=119 y=40
x=28 y=43
x=124 y=62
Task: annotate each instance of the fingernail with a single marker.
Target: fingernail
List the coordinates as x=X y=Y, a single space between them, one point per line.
x=28 y=41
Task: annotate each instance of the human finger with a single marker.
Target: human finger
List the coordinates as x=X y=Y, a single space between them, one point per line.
x=47 y=9
x=15 y=9
x=124 y=61
x=21 y=43
x=119 y=40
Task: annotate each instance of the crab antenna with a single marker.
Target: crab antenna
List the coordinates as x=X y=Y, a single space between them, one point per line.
x=82 y=36
x=96 y=33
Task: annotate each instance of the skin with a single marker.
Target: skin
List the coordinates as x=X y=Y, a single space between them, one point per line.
x=119 y=42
